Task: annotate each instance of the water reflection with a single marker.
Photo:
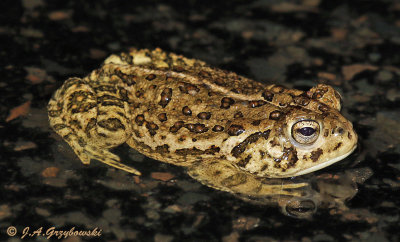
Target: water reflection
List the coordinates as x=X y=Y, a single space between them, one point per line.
x=326 y=191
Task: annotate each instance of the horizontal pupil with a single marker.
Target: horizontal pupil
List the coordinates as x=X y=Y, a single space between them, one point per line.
x=306 y=131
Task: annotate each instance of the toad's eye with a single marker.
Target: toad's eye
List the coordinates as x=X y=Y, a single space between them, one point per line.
x=305 y=131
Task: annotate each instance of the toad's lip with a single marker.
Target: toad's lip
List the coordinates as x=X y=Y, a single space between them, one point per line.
x=324 y=164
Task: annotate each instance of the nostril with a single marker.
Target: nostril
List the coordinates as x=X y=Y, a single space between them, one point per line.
x=337 y=131
x=340 y=130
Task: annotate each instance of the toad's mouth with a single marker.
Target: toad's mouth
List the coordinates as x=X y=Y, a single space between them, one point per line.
x=319 y=166
x=322 y=165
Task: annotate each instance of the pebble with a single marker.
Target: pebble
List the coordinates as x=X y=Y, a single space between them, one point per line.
x=163 y=238
x=162 y=176
x=50 y=172
x=384 y=76
x=350 y=71
x=393 y=94
x=374 y=57
x=190 y=198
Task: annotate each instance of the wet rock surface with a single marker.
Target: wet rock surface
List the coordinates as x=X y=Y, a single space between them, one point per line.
x=350 y=45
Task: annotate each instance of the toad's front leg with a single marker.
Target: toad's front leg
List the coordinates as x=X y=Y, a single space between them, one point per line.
x=222 y=175
x=91 y=120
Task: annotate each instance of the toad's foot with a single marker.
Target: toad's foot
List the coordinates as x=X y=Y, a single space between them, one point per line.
x=87 y=152
x=107 y=158
x=224 y=176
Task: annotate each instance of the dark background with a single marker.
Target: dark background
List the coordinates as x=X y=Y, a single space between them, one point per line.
x=351 y=45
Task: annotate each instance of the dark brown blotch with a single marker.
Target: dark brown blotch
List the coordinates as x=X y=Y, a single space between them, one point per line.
x=196 y=128
x=72 y=82
x=152 y=132
x=301 y=100
x=204 y=115
x=151 y=77
x=203 y=73
x=68 y=136
x=59 y=127
x=152 y=127
x=189 y=151
x=316 y=154
x=123 y=93
x=264 y=167
x=162 y=149
x=162 y=117
x=320 y=92
x=275 y=142
x=219 y=81
x=256 y=122
x=275 y=115
x=268 y=95
x=166 y=96
x=218 y=128
x=137 y=133
x=188 y=88
x=226 y=102
x=54 y=113
x=81 y=96
x=337 y=146
x=140 y=119
x=178 y=68
x=245 y=161
x=139 y=93
x=200 y=128
x=240 y=148
x=177 y=126
x=102 y=135
x=128 y=79
x=190 y=127
x=186 y=111
x=235 y=90
x=112 y=124
x=290 y=155
x=212 y=150
x=105 y=88
x=235 y=130
x=75 y=124
x=256 y=103
x=89 y=126
x=238 y=115
x=322 y=107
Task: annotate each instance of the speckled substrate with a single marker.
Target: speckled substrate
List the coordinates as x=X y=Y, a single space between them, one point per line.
x=350 y=45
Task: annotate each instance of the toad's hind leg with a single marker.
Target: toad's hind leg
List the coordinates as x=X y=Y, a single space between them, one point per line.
x=222 y=175
x=91 y=122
